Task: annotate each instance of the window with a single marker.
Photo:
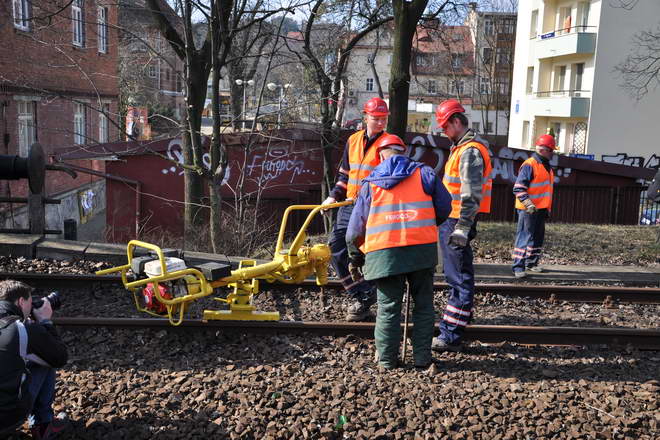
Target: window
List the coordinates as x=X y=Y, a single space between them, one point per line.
x=456 y=60
x=489 y=29
x=422 y=60
x=458 y=86
x=370 y=59
x=432 y=86
x=502 y=55
x=77 y=20
x=27 y=133
x=484 y=85
x=21 y=14
x=475 y=126
x=103 y=123
x=179 y=82
x=152 y=71
x=525 y=135
x=167 y=74
x=560 y=78
x=529 y=88
x=79 y=124
x=489 y=127
x=503 y=86
x=389 y=59
x=509 y=26
x=457 y=36
x=103 y=30
x=370 y=84
x=583 y=16
x=487 y=55
x=535 y=22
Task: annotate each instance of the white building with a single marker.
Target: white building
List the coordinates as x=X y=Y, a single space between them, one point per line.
x=565 y=79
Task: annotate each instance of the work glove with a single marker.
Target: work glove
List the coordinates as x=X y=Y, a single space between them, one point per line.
x=355 y=268
x=327 y=201
x=530 y=208
x=458 y=238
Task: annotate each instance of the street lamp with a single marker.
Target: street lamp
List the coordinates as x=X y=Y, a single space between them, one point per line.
x=242 y=82
x=272 y=87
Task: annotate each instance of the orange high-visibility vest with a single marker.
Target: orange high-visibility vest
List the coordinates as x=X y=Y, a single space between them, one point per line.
x=361 y=163
x=452 y=178
x=540 y=188
x=400 y=216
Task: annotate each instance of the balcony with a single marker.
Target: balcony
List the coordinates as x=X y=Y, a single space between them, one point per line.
x=576 y=40
x=562 y=103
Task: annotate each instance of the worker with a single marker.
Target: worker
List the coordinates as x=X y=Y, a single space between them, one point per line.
x=533 y=192
x=392 y=239
x=467 y=178
x=359 y=160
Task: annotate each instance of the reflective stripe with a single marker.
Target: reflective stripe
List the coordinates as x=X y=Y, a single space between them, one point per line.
x=361 y=166
x=354 y=181
x=452 y=179
x=454 y=321
x=486 y=193
x=534 y=184
x=400 y=207
x=399 y=226
x=457 y=310
x=455 y=196
x=538 y=196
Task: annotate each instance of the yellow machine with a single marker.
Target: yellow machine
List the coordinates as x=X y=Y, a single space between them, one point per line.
x=164 y=286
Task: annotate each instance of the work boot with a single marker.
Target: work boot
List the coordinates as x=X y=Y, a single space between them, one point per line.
x=440 y=346
x=50 y=430
x=537 y=269
x=520 y=274
x=359 y=310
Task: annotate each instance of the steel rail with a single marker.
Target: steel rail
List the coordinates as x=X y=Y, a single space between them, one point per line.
x=582 y=294
x=627 y=337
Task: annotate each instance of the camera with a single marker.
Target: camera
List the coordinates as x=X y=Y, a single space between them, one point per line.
x=53 y=298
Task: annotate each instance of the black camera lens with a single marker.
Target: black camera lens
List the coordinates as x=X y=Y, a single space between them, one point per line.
x=53 y=298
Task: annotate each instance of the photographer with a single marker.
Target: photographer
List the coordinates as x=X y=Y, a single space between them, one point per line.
x=30 y=349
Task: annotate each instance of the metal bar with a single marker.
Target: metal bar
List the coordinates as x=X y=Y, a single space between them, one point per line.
x=25 y=200
x=60 y=280
x=27 y=231
x=639 y=338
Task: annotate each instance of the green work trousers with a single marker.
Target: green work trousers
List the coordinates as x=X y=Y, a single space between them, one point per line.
x=391 y=290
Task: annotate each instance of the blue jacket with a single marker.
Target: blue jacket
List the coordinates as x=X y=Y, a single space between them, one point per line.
x=387 y=175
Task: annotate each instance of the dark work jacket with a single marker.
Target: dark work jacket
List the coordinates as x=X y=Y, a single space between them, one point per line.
x=44 y=347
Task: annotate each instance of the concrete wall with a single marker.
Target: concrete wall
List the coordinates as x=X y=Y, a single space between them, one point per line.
x=84 y=204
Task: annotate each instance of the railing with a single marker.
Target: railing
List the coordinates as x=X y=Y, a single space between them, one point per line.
x=565 y=31
x=563 y=94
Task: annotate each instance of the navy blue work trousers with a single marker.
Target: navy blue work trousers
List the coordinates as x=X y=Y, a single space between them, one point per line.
x=42 y=389
x=459 y=274
x=340 y=255
x=530 y=235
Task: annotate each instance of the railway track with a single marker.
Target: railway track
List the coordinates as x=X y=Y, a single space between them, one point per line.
x=559 y=293
x=638 y=338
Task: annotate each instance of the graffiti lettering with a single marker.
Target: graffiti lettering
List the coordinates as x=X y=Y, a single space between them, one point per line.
x=175 y=154
x=623 y=159
x=275 y=165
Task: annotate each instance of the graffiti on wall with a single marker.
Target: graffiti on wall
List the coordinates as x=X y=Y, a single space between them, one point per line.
x=276 y=163
x=633 y=161
x=502 y=159
x=175 y=154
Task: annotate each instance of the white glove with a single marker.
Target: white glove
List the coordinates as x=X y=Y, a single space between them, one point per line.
x=458 y=238
x=327 y=201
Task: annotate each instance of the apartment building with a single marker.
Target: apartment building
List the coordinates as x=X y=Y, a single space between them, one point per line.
x=150 y=73
x=470 y=62
x=58 y=87
x=565 y=79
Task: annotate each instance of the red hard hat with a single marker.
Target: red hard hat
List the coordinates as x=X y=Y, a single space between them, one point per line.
x=546 y=140
x=390 y=141
x=447 y=108
x=376 y=107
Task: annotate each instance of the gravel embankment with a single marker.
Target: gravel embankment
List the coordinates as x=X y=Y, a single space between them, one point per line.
x=147 y=384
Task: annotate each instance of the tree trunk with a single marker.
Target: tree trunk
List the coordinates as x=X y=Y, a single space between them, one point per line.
x=406 y=16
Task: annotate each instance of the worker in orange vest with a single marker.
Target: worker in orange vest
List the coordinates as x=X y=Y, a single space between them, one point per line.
x=392 y=235
x=533 y=190
x=359 y=159
x=467 y=178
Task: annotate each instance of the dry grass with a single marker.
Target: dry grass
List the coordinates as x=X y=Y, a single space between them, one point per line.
x=574 y=244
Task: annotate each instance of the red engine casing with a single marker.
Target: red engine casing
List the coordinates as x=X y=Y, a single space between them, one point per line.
x=151 y=302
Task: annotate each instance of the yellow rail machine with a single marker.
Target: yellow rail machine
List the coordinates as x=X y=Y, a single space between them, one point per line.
x=163 y=285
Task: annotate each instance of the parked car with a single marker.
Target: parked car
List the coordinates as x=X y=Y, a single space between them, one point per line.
x=650 y=217
x=354 y=124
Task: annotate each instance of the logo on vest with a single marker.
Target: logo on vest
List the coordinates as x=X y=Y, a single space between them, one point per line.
x=407 y=215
